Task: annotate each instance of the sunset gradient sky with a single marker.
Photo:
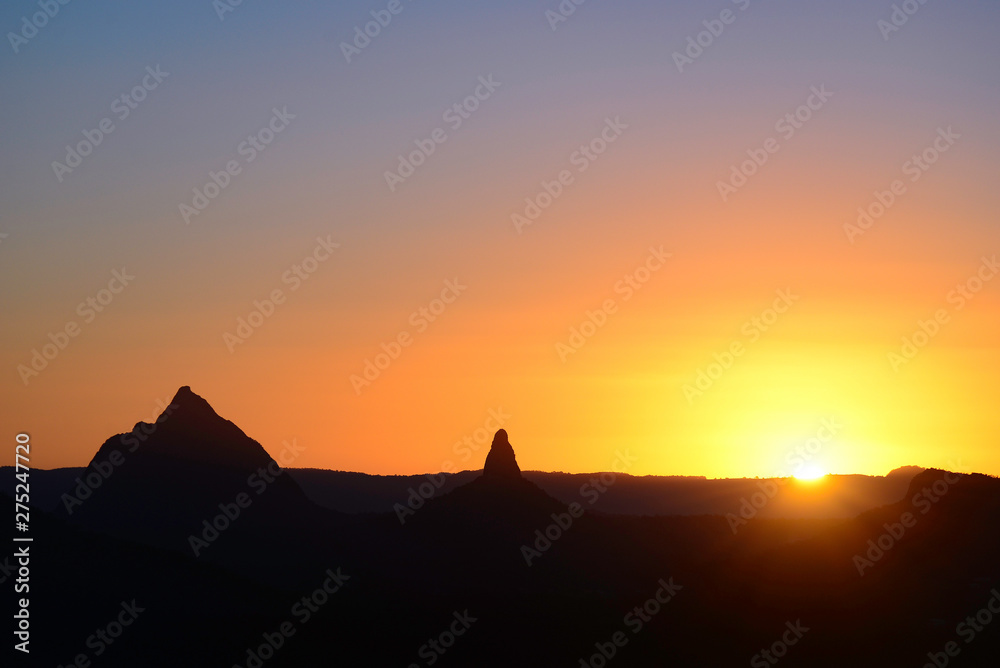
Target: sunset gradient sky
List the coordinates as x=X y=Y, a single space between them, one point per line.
x=677 y=134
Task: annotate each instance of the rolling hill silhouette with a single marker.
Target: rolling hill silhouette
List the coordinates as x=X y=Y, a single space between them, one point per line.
x=837 y=497
x=493 y=572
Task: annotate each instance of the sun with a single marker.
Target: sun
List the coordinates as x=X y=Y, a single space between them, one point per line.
x=810 y=472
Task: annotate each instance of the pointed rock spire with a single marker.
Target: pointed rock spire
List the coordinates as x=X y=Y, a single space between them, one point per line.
x=191 y=405
x=501 y=462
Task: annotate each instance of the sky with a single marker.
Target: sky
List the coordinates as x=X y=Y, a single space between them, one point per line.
x=724 y=239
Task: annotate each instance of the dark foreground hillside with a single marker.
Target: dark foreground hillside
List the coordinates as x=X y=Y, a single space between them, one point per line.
x=217 y=558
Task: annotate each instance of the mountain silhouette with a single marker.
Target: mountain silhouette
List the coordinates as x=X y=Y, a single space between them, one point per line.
x=501 y=462
x=500 y=502
x=178 y=482
x=190 y=430
x=530 y=579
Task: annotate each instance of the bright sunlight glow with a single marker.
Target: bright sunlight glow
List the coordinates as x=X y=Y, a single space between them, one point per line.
x=810 y=472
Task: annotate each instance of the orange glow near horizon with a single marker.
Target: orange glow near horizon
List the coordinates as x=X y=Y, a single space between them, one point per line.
x=655 y=377
x=825 y=358
x=622 y=391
